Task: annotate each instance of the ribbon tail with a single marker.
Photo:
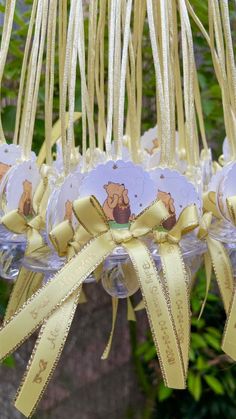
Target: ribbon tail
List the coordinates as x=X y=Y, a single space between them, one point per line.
x=229 y=336
x=44 y=302
x=224 y=275
x=26 y=285
x=107 y=350
x=140 y=306
x=177 y=290
x=82 y=297
x=130 y=311
x=46 y=355
x=34 y=242
x=160 y=318
x=223 y=270
x=208 y=270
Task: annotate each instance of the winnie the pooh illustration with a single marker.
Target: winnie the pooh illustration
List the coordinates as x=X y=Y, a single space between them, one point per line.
x=4 y=169
x=25 y=204
x=155 y=146
x=68 y=210
x=116 y=206
x=167 y=199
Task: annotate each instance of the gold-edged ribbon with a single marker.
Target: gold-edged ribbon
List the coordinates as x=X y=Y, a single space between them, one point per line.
x=175 y=276
x=62 y=291
x=27 y=282
x=53 y=331
x=219 y=258
x=68 y=242
x=231 y=206
x=229 y=337
x=209 y=203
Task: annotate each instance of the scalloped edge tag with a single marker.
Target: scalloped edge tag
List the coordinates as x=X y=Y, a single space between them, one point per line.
x=122 y=188
x=17 y=189
x=226 y=188
x=60 y=202
x=176 y=192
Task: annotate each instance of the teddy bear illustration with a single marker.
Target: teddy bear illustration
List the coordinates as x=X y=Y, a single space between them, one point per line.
x=117 y=204
x=3 y=169
x=155 y=146
x=68 y=210
x=25 y=204
x=167 y=199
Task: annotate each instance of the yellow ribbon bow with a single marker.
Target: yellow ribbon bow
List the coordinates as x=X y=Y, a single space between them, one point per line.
x=28 y=282
x=59 y=296
x=209 y=203
x=175 y=276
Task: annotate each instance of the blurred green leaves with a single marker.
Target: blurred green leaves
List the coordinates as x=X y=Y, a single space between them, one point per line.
x=211 y=382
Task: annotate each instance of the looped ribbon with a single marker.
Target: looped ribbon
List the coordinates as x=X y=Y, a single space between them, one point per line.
x=175 y=276
x=209 y=203
x=56 y=301
x=28 y=282
x=18 y=223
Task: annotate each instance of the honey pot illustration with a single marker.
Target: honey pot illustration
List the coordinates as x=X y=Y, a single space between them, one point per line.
x=117 y=203
x=4 y=169
x=25 y=204
x=68 y=210
x=167 y=199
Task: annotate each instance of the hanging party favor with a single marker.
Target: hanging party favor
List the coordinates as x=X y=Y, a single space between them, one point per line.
x=138 y=212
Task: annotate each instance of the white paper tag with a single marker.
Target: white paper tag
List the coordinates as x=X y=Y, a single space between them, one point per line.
x=18 y=187
x=176 y=192
x=60 y=203
x=122 y=188
x=226 y=188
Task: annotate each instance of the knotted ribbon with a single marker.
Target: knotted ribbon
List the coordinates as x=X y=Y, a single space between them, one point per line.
x=61 y=294
x=28 y=282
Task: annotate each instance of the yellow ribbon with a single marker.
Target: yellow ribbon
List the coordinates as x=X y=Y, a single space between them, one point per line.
x=220 y=261
x=65 y=286
x=175 y=276
x=209 y=203
x=26 y=285
x=28 y=282
x=18 y=223
x=229 y=337
x=55 y=135
x=53 y=331
x=68 y=242
x=231 y=205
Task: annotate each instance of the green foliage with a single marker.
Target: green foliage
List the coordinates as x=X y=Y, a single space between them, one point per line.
x=5 y=289
x=11 y=80
x=9 y=362
x=211 y=383
x=4 y=295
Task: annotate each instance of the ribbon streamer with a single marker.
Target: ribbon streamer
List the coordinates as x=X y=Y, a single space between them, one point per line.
x=219 y=259
x=66 y=283
x=175 y=276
